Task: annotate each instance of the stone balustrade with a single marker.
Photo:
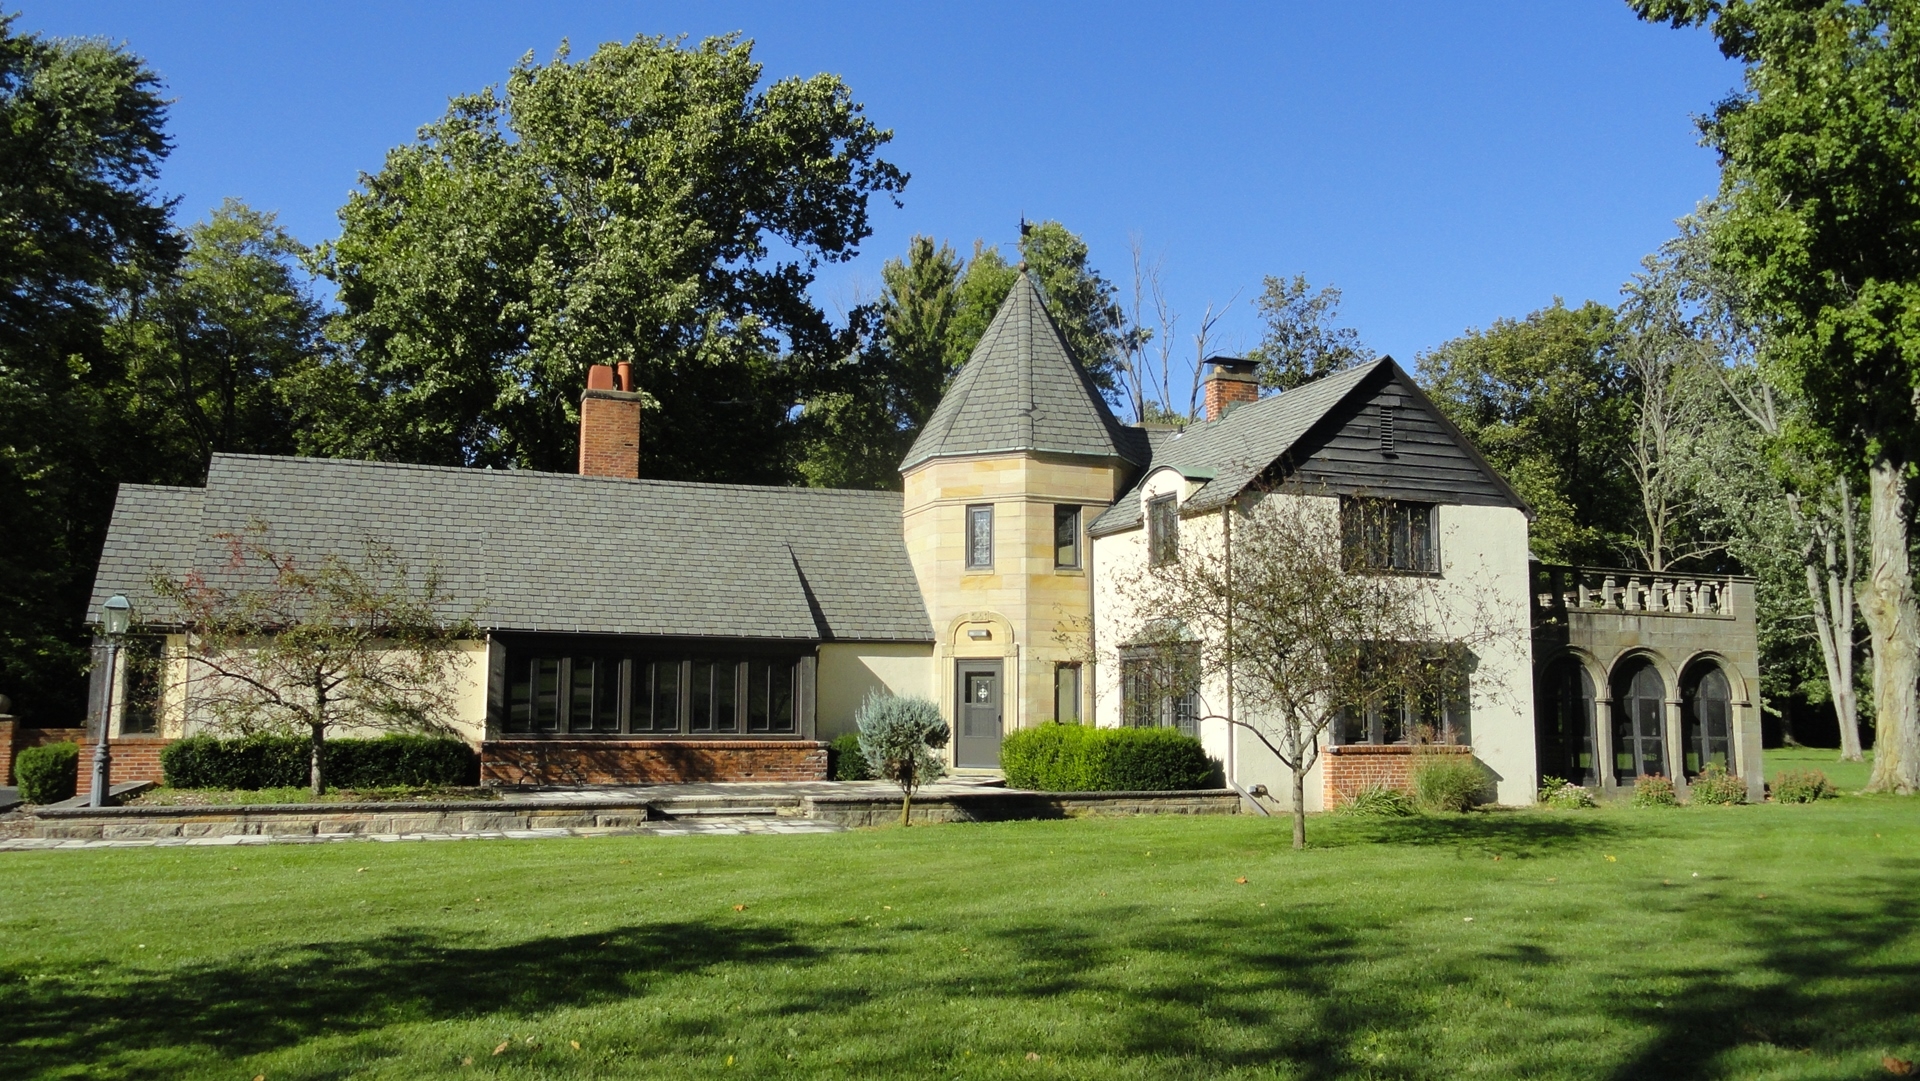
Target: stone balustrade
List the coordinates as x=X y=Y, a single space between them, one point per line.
x=1558 y=588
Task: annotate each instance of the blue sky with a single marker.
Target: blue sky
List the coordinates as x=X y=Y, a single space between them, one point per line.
x=1444 y=164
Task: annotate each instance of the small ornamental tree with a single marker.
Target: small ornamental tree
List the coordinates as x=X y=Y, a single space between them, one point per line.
x=276 y=644
x=899 y=737
x=1284 y=610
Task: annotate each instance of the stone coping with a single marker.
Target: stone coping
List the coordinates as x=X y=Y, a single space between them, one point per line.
x=997 y=794
x=1396 y=748
x=367 y=807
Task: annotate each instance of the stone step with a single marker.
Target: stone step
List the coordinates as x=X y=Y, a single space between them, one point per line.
x=707 y=810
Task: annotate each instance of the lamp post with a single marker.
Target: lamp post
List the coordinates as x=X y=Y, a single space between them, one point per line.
x=115 y=616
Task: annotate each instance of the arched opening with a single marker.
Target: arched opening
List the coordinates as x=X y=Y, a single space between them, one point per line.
x=1706 y=719
x=1639 y=721
x=1565 y=723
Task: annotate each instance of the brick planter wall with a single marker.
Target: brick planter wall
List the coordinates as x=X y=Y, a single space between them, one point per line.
x=135 y=758
x=655 y=761
x=1347 y=770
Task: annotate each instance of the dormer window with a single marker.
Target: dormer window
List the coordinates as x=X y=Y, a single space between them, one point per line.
x=1163 y=531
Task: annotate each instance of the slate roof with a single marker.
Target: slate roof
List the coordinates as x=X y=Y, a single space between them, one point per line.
x=1230 y=453
x=548 y=552
x=1022 y=391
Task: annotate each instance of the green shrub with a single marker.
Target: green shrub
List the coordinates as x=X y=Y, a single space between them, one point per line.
x=1653 y=790
x=48 y=774
x=1448 y=782
x=900 y=736
x=1082 y=758
x=844 y=760
x=1379 y=801
x=252 y=762
x=1802 y=786
x=1562 y=793
x=1715 y=787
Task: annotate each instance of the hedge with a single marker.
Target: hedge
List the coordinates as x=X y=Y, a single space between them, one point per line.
x=48 y=774
x=845 y=760
x=1082 y=758
x=391 y=761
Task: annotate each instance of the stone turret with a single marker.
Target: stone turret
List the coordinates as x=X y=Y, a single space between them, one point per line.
x=1003 y=481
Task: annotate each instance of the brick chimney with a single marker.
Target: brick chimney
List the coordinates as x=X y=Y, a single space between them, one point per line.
x=610 y=423
x=1230 y=382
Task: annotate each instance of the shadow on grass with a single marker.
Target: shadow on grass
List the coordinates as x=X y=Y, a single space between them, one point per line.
x=1826 y=981
x=1520 y=834
x=271 y=999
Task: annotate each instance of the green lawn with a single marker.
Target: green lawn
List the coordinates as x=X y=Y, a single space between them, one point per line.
x=1749 y=942
x=1848 y=776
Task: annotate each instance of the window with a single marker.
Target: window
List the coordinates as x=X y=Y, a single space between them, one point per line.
x=1387 y=535
x=140 y=686
x=1066 y=693
x=1160 y=687
x=980 y=538
x=608 y=695
x=1066 y=537
x=1163 y=531
x=1706 y=718
x=769 y=696
x=1639 y=722
x=1441 y=714
x=713 y=694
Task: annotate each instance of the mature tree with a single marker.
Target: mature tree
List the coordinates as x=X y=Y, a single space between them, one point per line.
x=1680 y=424
x=1303 y=340
x=1544 y=399
x=1298 y=632
x=1081 y=300
x=215 y=350
x=1820 y=165
x=1785 y=498
x=654 y=201
x=275 y=643
x=81 y=229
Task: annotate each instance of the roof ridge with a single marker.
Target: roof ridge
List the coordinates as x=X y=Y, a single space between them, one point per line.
x=864 y=493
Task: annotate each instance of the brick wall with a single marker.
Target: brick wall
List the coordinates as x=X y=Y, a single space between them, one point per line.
x=585 y=761
x=1223 y=390
x=135 y=758
x=15 y=738
x=1347 y=770
x=609 y=434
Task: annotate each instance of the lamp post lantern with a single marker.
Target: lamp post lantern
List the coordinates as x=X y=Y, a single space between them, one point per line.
x=116 y=615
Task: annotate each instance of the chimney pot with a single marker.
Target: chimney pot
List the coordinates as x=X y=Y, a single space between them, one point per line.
x=625 y=368
x=600 y=377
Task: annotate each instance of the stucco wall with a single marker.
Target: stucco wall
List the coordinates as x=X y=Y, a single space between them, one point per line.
x=1483 y=586
x=188 y=685
x=850 y=671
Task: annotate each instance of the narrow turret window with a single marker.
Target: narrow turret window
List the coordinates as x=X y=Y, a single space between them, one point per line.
x=980 y=538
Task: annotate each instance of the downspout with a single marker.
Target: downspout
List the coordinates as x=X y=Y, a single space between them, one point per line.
x=1233 y=739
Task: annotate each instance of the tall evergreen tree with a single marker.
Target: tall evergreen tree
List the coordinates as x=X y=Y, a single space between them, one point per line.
x=81 y=230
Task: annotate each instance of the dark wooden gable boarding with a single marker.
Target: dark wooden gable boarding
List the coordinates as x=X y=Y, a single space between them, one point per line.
x=1426 y=459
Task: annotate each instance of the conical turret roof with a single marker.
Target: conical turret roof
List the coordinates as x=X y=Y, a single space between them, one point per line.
x=1021 y=391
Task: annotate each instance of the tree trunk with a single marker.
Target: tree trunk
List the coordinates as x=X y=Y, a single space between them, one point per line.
x=1299 y=765
x=1840 y=579
x=316 y=780
x=1893 y=621
x=906 y=807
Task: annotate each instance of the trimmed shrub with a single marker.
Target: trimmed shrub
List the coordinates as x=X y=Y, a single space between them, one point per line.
x=1082 y=758
x=1802 y=786
x=254 y=762
x=1653 y=790
x=1562 y=793
x=1715 y=787
x=845 y=762
x=1448 y=782
x=1379 y=801
x=48 y=774
x=401 y=760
